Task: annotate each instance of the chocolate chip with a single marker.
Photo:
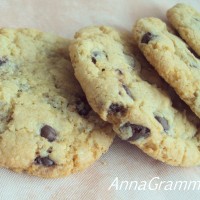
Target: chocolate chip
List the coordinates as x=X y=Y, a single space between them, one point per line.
x=3 y=60
x=82 y=106
x=127 y=91
x=116 y=108
x=138 y=131
x=147 y=37
x=48 y=132
x=45 y=161
x=97 y=55
x=163 y=122
x=94 y=60
x=119 y=71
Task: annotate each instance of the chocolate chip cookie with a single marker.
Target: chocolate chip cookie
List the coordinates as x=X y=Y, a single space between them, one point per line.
x=172 y=58
x=47 y=127
x=186 y=20
x=131 y=97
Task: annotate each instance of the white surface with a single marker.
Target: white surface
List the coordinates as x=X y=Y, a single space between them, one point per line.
x=124 y=161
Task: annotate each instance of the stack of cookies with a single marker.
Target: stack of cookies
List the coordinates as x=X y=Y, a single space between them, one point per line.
x=54 y=123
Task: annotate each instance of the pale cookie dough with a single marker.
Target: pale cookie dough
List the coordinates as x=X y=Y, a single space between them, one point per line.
x=172 y=58
x=186 y=20
x=47 y=128
x=140 y=111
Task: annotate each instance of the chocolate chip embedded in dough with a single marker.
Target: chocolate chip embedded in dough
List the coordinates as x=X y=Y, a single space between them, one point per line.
x=82 y=106
x=98 y=55
x=3 y=61
x=137 y=131
x=147 y=37
x=48 y=132
x=45 y=161
x=94 y=60
x=116 y=108
x=163 y=122
x=127 y=91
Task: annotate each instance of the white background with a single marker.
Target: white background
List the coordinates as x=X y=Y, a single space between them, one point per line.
x=64 y=17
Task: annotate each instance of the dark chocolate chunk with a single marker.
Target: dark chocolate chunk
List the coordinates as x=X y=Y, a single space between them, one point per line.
x=82 y=106
x=163 y=122
x=48 y=132
x=115 y=108
x=45 y=161
x=138 y=131
x=147 y=37
x=96 y=55
x=127 y=91
x=94 y=60
x=3 y=60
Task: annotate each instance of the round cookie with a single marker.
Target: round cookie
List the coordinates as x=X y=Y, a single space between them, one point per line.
x=47 y=127
x=186 y=20
x=130 y=96
x=172 y=58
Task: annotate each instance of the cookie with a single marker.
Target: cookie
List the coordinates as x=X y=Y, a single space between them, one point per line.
x=186 y=20
x=47 y=127
x=121 y=91
x=172 y=58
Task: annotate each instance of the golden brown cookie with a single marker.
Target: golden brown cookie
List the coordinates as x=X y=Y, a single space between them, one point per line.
x=124 y=93
x=47 y=127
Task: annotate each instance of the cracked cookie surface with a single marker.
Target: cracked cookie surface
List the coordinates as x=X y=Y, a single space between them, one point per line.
x=132 y=97
x=172 y=58
x=47 y=127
